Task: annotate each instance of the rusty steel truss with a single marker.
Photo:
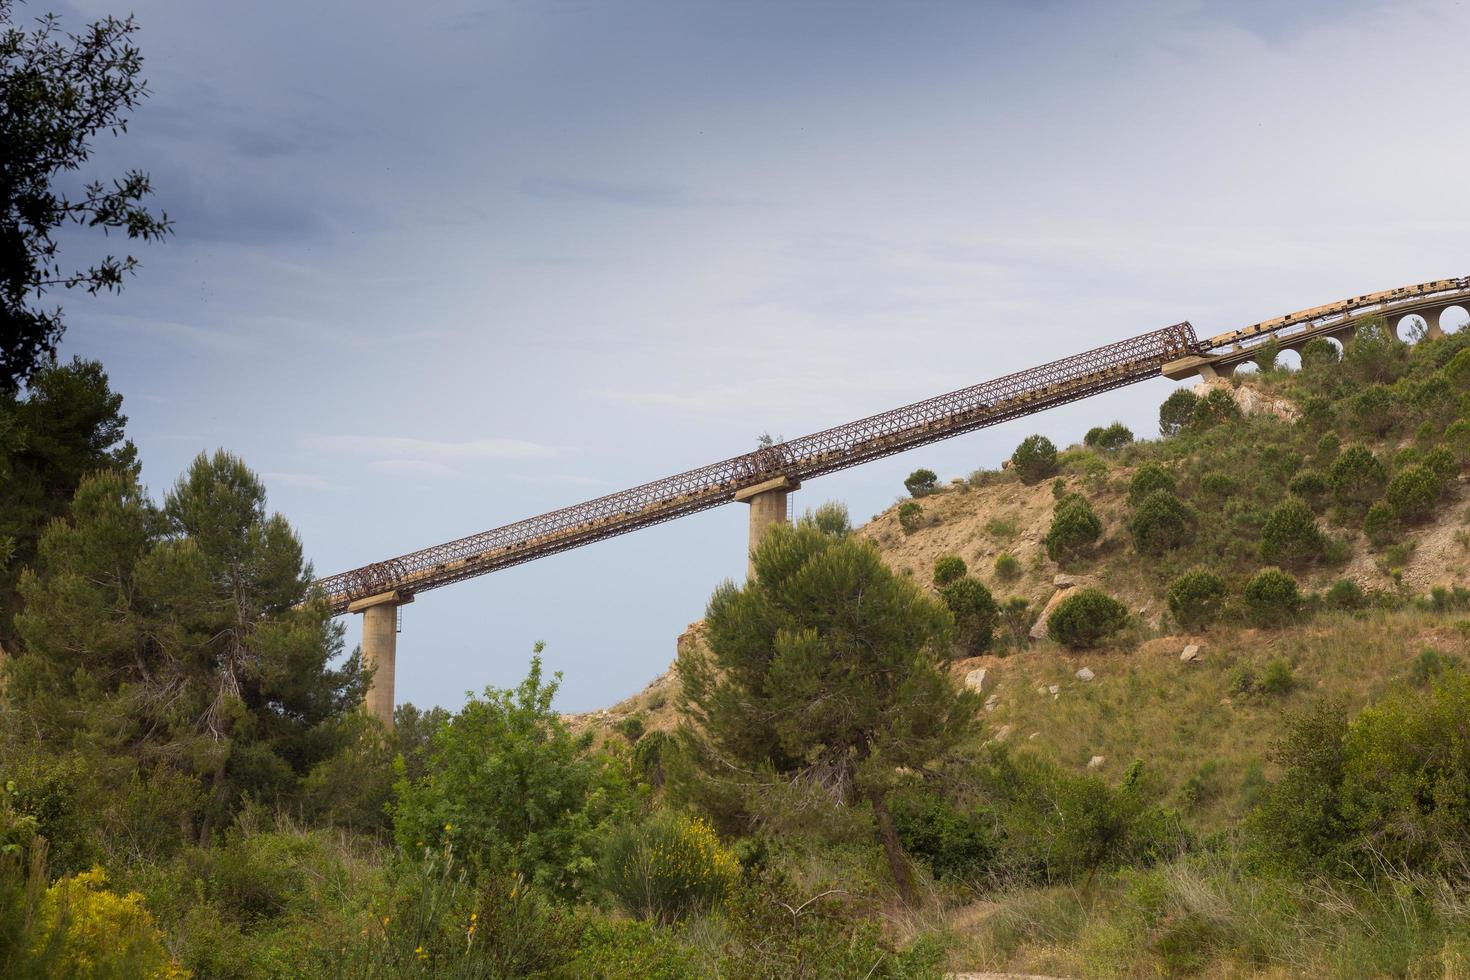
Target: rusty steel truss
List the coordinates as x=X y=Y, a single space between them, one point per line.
x=1015 y=395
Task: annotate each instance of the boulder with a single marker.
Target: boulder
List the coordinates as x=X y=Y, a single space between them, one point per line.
x=1055 y=689
x=1064 y=581
x=975 y=680
x=1038 y=631
x=991 y=702
x=1085 y=674
x=1190 y=654
x=1096 y=761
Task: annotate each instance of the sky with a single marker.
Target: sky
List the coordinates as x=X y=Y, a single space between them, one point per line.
x=442 y=267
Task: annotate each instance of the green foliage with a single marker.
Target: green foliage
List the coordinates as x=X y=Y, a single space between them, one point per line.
x=82 y=928
x=1216 y=408
x=60 y=90
x=1035 y=459
x=1374 y=356
x=1317 y=412
x=829 y=518
x=630 y=949
x=1268 y=354
x=1457 y=371
x=1161 y=523
x=631 y=728
x=1007 y=567
x=1319 y=356
x=648 y=757
x=1380 y=524
x=1310 y=486
x=1218 y=485
x=1327 y=449
x=910 y=516
x=1345 y=594
x=1457 y=438
x=667 y=868
x=826 y=664
x=1372 y=410
x=1074 y=528
x=1429 y=665
x=1086 y=619
x=1272 y=598
x=1278 y=677
x=1442 y=463
x=954 y=843
x=1177 y=411
x=1196 y=598
x=949 y=568
x=1299 y=822
x=1357 y=478
x=511 y=788
x=975 y=614
x=921 y=482
x=1412 y=494
x=1290 y=535
x=1147 y=479
x=1016 y=617
x=1108 y=439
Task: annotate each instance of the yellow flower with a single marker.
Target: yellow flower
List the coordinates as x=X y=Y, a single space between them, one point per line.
x=448 y=827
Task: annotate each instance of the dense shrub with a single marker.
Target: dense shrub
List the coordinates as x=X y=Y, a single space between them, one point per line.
x=1007 y=567
x=1109 y=438
x=668 y=867
x=830 y=518
x=1317 y=413
x=1380 y=524
x=1442 y=463
x=1345 y=594
x=1162 y=522
x=975 y=614
x=956 y=844
x=1148 y=478
x=1374 y=356
x=1372 y=410
x=910 y=516
x=1268 y=354
x=649 y=757
x=1319 y=355
x=1413 y=493
x=1177 y=411
x=921 y=482
x=1074 y=528
x=1327 y=449
x=99 y=933
x=948 y=569
x=1218 y=485
x=1217 y=406
x=1357 y=478
x=1196 y=598
x=1290 y=535
x=1272 y=598
x=1016 y=617
x=1035 y=459
x=1086 y=618
x=1310 y=486
x=1457 y=438
x=1457 y=371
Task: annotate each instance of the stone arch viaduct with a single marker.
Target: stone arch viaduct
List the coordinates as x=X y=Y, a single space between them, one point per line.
x=764 y=478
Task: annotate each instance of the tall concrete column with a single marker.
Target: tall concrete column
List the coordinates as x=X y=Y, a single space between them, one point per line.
x=767 y=509
x=380 y=649
x=1431 y=321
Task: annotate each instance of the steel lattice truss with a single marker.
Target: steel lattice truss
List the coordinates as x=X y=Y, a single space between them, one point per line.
x=1012 y=396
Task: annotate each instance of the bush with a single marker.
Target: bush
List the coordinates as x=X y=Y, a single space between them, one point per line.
x=1218 y=485
x=1372 y=411
x=830 y=518
x=1196 y=598
x=1357 y=478
x=1272 y=598
x=1035 y=459
x=1458 y=369
x=649 y=757
x=1161 y=523
x=630 y=728
x=1317 y=412
x=1016 y=618
x=99 y=932
x=1442 y=463
x=910 y=516
x=1086 y=618
x=1177 y=411
x=1345 y=594
x=1290 y=535
x=667 y=868
x=921 y=482
x=1277 y=678
x=1319 y=355
x=975 y=614
x=1327 y=449
x=1374 y=355
x=1074 y=528
x=1113 y=437
x=1413 y=493
x=1215 y=408
x=1147 y=479
x=1267 y=354
x=949 y=569
x=1007 y=567
x=1380 y=524
x=1311 y=486
x=629 y=949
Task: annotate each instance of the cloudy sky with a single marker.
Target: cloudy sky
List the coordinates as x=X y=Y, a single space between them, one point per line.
x=439 y=267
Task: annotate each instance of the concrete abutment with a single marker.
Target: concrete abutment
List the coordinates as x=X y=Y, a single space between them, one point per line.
x=380 y=650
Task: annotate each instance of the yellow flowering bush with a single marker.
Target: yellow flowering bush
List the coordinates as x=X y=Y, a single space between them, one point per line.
x=100 y=933
x=668 y=867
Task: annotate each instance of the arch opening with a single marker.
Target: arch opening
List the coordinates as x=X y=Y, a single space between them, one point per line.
x=1289 y=360
x=1454 y=319
x=1411 y=328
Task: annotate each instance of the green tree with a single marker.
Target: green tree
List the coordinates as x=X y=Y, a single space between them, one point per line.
x=1177 y=411
x=1319 y=356
x=1148 y=478
x=1108 y=439
x=1218 y=406
x=1086 y=618
x=910 y=516
x=182 y=636
x=829 y=518
x=1161 y=523
x=1413 y=493
x=1290 y=535
x=949 y=568
x=1074 y=528
x=1357 y=478
x=921 y=482
x=1458 y=369
x=1373 y=410
x=975 y=614
x=58 y=92
x=1272 y=598
x=1374 y=356
x=512 y=789
x=68 y=423
x=1196 y=598
x=1268 y=354
x=1035 y=459
x=824 y=670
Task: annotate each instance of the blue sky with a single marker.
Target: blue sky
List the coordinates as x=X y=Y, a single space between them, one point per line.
x=439 y=269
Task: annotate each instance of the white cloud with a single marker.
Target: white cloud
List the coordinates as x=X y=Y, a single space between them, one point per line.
x=399 y=448
x=421 y=468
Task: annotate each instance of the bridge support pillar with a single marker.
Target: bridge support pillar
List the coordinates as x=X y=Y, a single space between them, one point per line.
x=767 y=509
x=1431 y=322
x=380 y=649
x=1211 y=372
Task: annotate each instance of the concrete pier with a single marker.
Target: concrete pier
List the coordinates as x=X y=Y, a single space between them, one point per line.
x=380 y=649
x=767 y=509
